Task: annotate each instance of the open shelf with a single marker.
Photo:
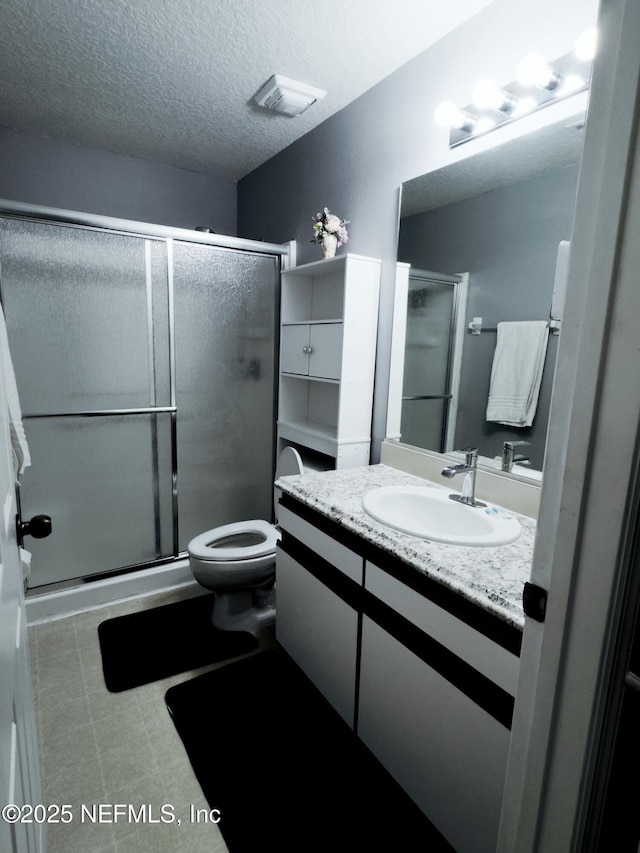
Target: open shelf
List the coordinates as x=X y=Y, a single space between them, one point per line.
x=329 y=316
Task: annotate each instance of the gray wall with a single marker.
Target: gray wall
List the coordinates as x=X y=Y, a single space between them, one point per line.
x=355 y=162
x=46 y=172
x=507 y=240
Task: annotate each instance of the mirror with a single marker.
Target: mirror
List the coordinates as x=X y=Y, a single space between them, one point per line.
x=493 y=221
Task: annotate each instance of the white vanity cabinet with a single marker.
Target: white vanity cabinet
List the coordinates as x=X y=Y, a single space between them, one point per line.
x=426 y=675
x=435 y=704
x=329 y=320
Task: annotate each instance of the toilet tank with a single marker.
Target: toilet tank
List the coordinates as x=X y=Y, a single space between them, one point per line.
x=289 y=462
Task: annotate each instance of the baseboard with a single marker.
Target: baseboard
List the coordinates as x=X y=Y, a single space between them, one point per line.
x=48 y=606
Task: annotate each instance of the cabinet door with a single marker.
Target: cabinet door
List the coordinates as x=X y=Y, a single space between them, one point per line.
x=312 y=350
x=294 y=353
x=319 y=631
x=325 y=350
x=447 y=753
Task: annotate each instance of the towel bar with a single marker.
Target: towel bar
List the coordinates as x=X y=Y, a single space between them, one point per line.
x=476 y=327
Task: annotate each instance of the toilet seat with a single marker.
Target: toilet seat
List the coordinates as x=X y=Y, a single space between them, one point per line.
x=238 y=563
x=203 y=547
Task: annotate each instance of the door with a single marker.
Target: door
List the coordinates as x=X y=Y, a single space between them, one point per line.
x=312 y=349
x=325 y=350
x=589 y=508
x=19 y=770
x=295 y=349
x=429 y=386
x=225 y=311
x=320 y=632
x=87 y=318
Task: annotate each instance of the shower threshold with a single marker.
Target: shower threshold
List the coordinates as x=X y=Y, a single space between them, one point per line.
x=67 y=598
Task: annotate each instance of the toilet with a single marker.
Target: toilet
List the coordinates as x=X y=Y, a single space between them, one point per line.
x=238 y=562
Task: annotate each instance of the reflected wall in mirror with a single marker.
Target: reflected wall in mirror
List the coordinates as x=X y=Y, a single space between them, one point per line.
x=499 y=217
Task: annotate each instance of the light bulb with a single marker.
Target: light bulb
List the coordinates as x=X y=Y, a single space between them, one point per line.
x=587 y=45
x=449 y=115
x=483 y=125
x=444 y=114
x=524 y=106
x=488 y=96
x=571 y=83
x=534 y=71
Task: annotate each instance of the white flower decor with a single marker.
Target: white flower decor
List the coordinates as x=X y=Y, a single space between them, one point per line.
x=328 y=223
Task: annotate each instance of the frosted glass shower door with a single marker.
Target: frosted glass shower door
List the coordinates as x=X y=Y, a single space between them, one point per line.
x=87 y=318
x=225 y=306
x=106 y=483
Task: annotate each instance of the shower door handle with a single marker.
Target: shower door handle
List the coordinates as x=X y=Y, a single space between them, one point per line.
x=39 y=527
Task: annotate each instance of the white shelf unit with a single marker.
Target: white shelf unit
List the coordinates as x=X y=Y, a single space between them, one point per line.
x=329 y=323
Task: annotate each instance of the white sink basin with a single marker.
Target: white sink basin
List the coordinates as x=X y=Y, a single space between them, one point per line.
x=430 y=514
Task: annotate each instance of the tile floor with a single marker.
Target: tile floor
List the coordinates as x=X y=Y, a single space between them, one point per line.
x=98 y=747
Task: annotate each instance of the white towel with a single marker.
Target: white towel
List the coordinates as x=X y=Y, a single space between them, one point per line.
x=516 y=373
x=21 y=456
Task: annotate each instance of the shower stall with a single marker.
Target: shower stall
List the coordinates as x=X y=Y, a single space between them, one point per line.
x=145 y=360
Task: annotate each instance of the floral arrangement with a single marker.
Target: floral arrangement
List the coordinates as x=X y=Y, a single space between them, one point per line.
x=328 y=223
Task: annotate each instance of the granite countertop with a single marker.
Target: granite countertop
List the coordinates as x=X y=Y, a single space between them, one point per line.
x=493 y=578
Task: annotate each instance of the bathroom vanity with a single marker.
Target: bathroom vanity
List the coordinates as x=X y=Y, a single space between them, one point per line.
x=415 y=644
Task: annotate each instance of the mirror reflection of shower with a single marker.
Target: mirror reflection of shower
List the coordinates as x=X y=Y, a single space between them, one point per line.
x=435 y=312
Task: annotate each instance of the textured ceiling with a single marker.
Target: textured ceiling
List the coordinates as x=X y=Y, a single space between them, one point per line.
x=172 y=81
x=553 y=147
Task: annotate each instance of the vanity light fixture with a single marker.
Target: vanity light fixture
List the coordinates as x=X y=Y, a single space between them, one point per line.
x=488 y=96
x=449 y=115
x=534 y=71
x=570 y=84
x=525 y=105
x=484 y=124
x=538 y=84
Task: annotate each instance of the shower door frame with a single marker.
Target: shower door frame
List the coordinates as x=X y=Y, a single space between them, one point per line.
x=169 y=235
x=460 y=284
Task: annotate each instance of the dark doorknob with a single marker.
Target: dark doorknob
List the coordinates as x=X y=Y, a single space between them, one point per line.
x=39 y=527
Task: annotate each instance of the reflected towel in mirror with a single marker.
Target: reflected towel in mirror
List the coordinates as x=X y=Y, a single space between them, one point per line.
x=516 y=373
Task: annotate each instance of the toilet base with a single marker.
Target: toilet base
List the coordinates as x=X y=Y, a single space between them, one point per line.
x=244 y=610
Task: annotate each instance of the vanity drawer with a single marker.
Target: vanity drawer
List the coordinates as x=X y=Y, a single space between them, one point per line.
x=335 y=553
x=487 y=657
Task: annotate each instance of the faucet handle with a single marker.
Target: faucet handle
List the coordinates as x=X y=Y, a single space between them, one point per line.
x=470 y=455
x=508 y=454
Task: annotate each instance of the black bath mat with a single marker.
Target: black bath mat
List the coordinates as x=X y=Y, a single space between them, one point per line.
x=284 y=770
x=152 y=644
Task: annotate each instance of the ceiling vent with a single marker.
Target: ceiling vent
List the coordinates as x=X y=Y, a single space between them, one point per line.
x=286 y=96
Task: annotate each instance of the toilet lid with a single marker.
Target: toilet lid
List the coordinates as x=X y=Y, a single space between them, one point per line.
x=243 y=540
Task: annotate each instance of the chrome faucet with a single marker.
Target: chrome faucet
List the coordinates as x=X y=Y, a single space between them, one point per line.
x=469 y=466
x=509 y=456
